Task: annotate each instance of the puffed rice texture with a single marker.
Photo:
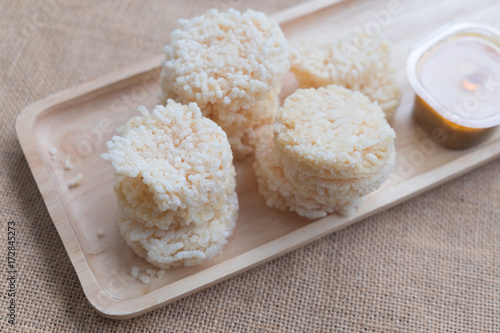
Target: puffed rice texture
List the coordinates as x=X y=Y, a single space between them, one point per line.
x=170 y=163
x=229 y=60
x=332 y=133
x=356 y=61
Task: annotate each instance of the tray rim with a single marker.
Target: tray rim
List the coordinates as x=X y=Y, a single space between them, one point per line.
x=115 y=308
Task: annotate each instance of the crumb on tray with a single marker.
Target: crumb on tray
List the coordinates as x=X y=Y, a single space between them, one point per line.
x=100 y=232
x=75 y=181
x=67 y=165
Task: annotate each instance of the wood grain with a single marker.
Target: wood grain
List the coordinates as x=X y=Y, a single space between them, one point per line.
x=80 y=120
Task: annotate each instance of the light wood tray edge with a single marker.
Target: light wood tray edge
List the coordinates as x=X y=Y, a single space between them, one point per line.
x=24 y=128
x=25 y=123
x=123 y=309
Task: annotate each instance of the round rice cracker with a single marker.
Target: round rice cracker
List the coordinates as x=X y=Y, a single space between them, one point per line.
x=354 y=62
x=332 y=133
x=172 y=159
x=181 y=245
x=229 y=59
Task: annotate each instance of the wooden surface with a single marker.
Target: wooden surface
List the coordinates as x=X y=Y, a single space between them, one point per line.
x=80 y=120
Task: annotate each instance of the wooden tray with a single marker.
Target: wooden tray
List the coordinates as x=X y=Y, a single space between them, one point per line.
x=80 y=120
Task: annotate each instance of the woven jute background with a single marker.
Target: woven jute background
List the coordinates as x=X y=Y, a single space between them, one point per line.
x=431 y=264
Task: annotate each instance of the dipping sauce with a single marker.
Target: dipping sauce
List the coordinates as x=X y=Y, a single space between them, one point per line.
x=455 y=73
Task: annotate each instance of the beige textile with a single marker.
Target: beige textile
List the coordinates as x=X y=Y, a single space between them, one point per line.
x=431 y=264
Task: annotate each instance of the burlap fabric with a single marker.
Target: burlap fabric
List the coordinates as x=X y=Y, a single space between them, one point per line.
x=431 y=264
